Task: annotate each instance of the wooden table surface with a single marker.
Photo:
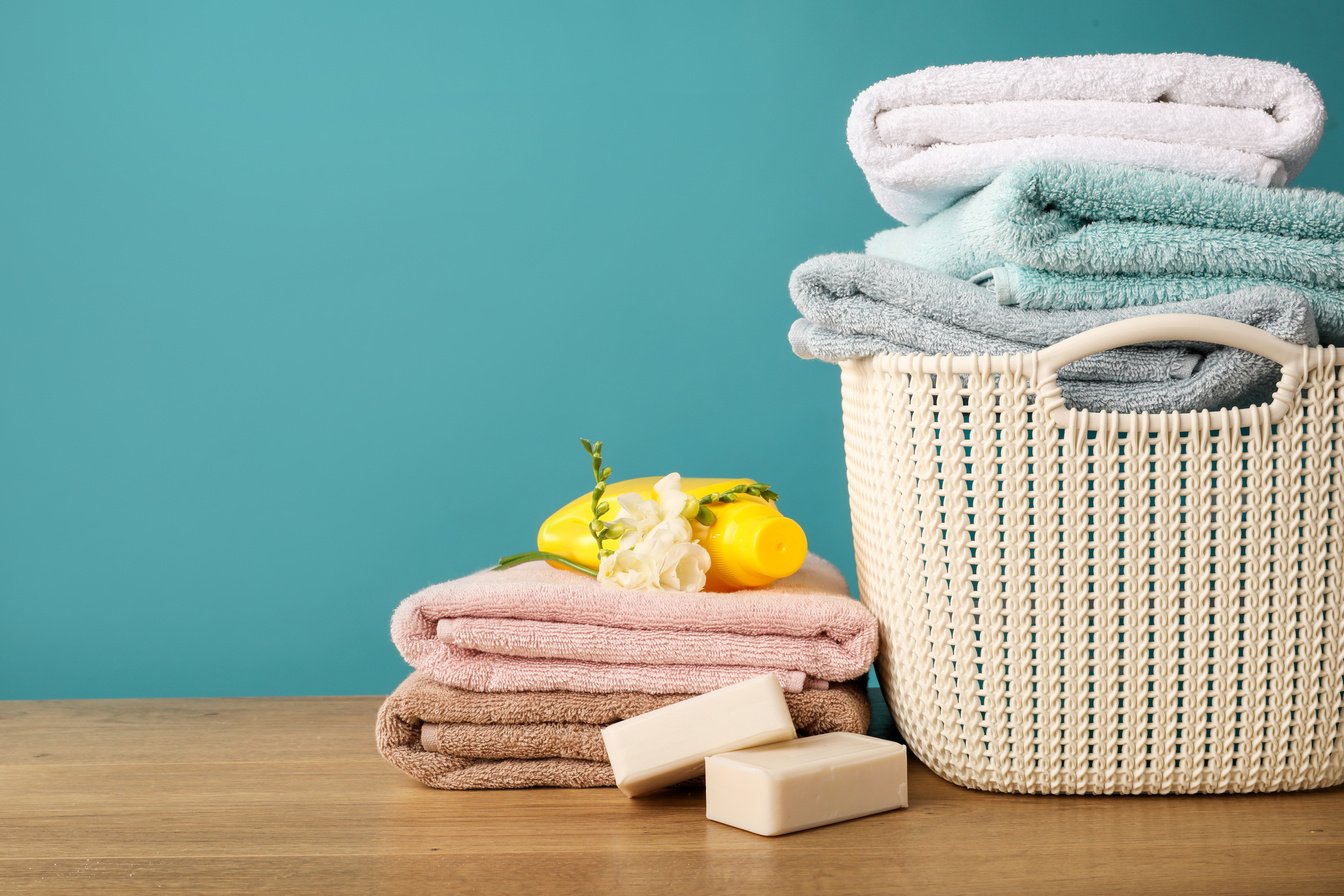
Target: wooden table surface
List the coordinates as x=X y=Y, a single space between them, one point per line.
x=288 y=796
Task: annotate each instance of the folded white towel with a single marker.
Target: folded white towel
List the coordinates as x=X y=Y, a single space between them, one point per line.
x=926 y=139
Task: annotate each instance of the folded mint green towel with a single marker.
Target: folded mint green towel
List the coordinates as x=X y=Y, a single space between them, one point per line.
x=1055 y=235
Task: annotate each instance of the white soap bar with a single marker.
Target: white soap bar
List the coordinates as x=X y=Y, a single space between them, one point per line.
x=668 y=745
x=806 y=783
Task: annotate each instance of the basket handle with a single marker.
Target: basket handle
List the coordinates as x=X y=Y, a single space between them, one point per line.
x=1165 y=328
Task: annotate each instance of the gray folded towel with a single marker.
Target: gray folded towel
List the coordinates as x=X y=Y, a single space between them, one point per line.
x=859 y=305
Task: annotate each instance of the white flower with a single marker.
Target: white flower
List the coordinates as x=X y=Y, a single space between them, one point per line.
x=677 y=562
x=683 y=568
x=637 y=515
x=670 y=506
x=672 y=501
x=657 y=548
x=670 y=531
x=627 y=569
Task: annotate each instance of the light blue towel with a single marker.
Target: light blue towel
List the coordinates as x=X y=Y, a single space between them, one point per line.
x=859 y=305
x=1055 y=235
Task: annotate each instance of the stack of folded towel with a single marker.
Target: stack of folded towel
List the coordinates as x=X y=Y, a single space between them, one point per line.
x=1044 y=197
x=518 y=670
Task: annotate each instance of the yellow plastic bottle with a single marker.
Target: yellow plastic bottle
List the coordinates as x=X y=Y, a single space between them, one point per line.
x=750 y=543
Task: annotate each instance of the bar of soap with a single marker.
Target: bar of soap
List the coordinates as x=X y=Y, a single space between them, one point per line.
x=669 y=745
x=805 y=783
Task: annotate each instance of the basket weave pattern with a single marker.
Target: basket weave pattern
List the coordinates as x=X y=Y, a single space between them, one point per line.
x=1123 y=606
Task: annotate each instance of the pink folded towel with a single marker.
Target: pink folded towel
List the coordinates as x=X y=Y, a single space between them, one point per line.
x=536 y=628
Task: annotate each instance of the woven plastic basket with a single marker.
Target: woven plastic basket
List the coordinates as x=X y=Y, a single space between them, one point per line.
x=1079 y=602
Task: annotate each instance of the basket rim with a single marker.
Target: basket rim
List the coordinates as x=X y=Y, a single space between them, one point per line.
x=1286 y=401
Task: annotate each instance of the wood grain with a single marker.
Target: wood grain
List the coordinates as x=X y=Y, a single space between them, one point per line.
x=289 y=796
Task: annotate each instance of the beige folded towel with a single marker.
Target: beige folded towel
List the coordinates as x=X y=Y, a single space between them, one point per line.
x=468 y=740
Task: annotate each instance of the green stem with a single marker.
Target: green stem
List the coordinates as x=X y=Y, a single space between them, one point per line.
x=602 y=532
x=515 y=559
x=755 y=489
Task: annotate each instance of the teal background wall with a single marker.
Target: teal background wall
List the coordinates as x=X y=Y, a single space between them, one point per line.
x=305 y=305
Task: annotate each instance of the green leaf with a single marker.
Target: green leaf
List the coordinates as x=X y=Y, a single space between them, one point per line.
x=705 y=516
x=587 y=445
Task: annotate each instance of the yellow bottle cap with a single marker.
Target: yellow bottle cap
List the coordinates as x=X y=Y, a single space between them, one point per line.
x=773 y=546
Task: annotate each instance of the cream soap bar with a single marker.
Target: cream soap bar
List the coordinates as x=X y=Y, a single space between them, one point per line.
x=668 y=745
x=805 y=783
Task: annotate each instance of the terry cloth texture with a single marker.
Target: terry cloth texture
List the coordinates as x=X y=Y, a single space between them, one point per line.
x=465 y=740
x=859 y=305
x=1060 y=236
x=534 y=627
x=926 y=139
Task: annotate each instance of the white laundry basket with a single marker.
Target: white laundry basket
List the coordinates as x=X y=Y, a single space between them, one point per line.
x=1080 y=602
